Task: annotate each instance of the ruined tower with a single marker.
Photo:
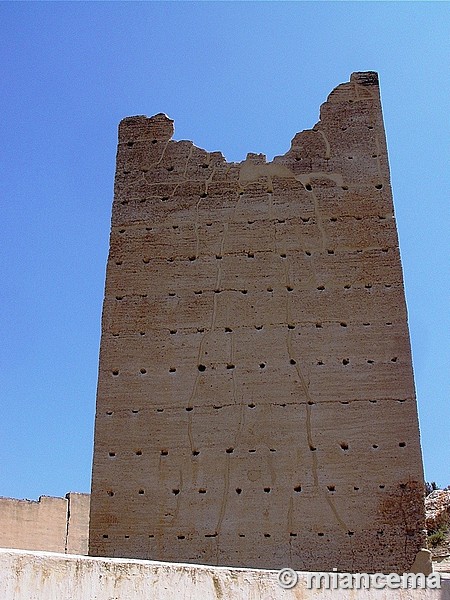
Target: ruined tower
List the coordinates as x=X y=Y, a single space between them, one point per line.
x=256 y=402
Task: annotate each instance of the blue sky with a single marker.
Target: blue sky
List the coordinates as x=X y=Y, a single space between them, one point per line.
x=236 y=77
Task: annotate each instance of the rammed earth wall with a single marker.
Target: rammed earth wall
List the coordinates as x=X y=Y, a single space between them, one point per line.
x=256 y=401
x=52 y=524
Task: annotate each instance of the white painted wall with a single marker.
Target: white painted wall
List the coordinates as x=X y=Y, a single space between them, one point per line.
x=51 y=576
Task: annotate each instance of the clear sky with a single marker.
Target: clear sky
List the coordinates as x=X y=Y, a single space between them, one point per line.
x=236 y=77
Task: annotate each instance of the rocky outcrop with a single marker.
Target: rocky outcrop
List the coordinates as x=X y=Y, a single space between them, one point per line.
x=437 y=509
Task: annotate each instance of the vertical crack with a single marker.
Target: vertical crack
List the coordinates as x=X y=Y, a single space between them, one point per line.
x=270 y=213
x=177 y=508
x=378 y=147
x=66 y=540
x=162 y=154
x=319 y=222
x=327 y=143
x=290 y=527
x=335 y=512
x=305 y=387
x=223 y=504
x=288 y=285
x=214 y=311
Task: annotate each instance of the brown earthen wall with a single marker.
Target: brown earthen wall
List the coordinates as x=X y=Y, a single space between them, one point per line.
x=51 y=524
x=256 y=403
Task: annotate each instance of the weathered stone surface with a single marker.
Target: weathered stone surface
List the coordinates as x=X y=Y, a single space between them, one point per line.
x=77 y=523
x=46 y=576
x=437 y=509
x=256 y=403
x=52 y=524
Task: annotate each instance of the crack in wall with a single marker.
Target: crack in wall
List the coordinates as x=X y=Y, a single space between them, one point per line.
x=184 y=178
x=158 y=162
x=290 y=527
x=223 y=504
x=379 y=155
x=327 y=143
x=178 y=497
x=66 y=539
x=319 y=222
x=212 y=325
x=236 y=402
x=305 y=388
x=309 y=403
x=335 y=512
x=287 y=294
x=250 y=172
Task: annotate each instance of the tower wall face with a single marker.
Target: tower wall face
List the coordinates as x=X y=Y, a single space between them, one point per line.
x=256 y=402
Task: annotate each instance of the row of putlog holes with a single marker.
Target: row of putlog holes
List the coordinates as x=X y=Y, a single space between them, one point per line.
x=270 y=289
x=318 y=325
x=250 y=255
x=343 y=445
x=308 y=187
x=174 y=226
x=105 y=536
x=252 y=405
x=262 y=365
x=266 y=490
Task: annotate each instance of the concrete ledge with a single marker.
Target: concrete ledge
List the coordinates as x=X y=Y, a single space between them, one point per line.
x=51 y=576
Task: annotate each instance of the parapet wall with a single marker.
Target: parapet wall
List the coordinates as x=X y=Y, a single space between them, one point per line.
x=256 y=402
x=51 y=524
x=45 y=576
